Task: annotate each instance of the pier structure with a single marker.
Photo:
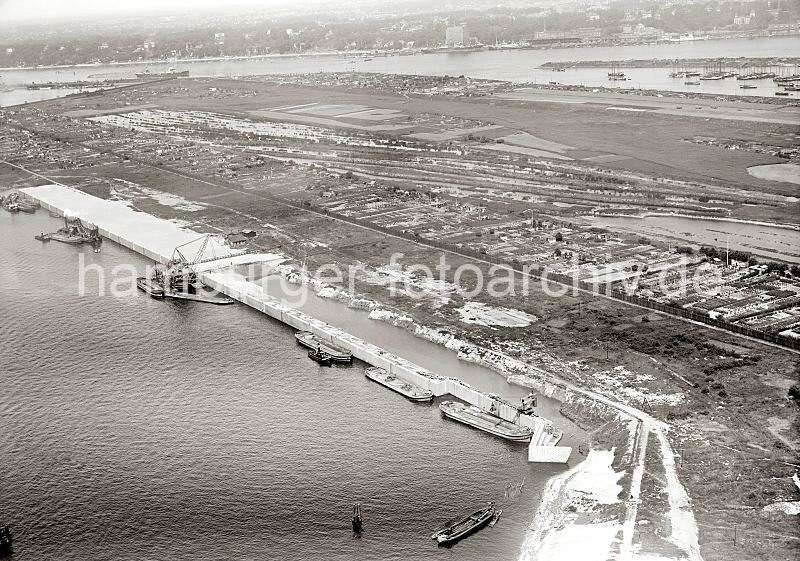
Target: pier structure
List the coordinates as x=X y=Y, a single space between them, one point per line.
x=156 y=239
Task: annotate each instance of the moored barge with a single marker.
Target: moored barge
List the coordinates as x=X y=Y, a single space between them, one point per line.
x=200 y=296
x=150 y=287
x=466 y=526
x=406 y=389
x=311 y=341
x=480 y=419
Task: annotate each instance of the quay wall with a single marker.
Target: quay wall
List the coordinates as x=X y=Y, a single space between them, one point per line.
x=156 y=239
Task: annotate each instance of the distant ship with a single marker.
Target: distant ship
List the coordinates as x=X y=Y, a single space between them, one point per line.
x=171 y=73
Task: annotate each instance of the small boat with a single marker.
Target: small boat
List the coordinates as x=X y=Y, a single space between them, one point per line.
x=150 y=287
x=406 y=389
x=495 y=518
x=42 y=237
x=311 y=341
x=748 y=87
x=465 y=526
x=27 y=207
x=694 y=83
x=321 y=358
x=480 y=419
x=782 y=93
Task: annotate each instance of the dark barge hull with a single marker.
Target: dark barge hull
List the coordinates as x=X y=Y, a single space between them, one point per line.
x=484 y=517
x=312 y=342
x=323 y=359
x=148 y=286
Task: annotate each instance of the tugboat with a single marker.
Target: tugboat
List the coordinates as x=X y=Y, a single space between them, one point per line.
x=321 y=358
x=6 y=546
x=311 y=341
x=407 y=389
x=466 y=526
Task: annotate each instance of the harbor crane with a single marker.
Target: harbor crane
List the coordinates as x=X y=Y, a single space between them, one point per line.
x=180 y=273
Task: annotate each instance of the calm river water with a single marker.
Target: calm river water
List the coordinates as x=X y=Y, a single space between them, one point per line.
x=141 y=429
x=519 y=65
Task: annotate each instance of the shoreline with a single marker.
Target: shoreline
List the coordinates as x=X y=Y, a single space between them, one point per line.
x=783 y=61
x=398 y=52
x=155 y=243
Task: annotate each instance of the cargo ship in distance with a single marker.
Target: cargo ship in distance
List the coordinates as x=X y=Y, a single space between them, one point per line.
x=480 y=419
x=171 y=73
x=311 y=341
x=406 y=389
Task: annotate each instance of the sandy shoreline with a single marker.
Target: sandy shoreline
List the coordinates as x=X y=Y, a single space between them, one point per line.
x=561 y=529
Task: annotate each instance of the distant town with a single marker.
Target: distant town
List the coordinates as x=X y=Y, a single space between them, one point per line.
x=582 y=23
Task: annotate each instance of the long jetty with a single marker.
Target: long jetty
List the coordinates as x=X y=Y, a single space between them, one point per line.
x=156 y=238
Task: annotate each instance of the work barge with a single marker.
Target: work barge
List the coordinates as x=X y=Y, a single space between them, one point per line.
x=156 y=239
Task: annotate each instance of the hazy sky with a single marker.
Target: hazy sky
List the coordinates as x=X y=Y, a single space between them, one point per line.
x=27 y=9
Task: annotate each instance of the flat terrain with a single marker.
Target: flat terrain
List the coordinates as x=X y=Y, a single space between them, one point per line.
x=668 y=105
x=652 y=141
x=733 y=430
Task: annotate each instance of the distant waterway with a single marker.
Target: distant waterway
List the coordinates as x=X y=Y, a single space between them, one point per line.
x=142 y=429
x=516 y=65
x=789 y=173
x=760 y=239
x=18 y=96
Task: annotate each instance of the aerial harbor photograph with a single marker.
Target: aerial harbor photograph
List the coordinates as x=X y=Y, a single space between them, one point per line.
x=372 y=280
